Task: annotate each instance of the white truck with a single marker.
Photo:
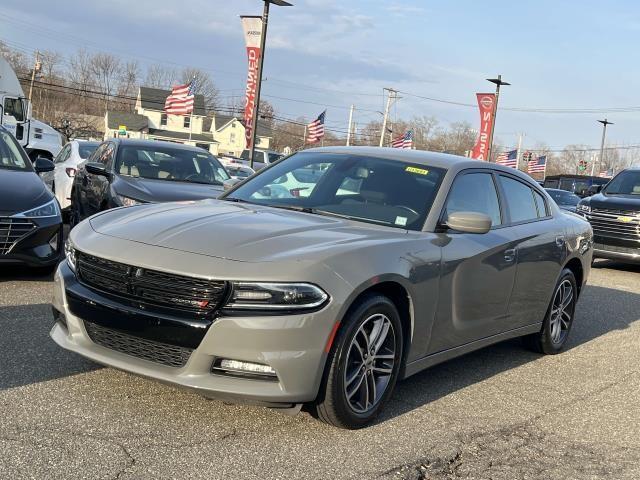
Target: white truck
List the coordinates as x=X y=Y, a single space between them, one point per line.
x=37 y=138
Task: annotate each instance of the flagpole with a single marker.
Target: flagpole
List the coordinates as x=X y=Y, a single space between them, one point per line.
x=190 y=124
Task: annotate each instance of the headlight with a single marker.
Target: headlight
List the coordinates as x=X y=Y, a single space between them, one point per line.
x=70 y=253
x=49 y=209
x=583 y=208
x=276 y=296
x=128 y=202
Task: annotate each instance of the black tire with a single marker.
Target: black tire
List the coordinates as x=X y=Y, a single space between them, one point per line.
x=333 y=405
x=549 y=341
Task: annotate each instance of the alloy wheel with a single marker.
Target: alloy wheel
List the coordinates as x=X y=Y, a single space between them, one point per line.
x=370 y=363
x=561 y=312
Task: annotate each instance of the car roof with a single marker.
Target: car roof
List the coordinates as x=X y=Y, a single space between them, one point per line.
x=135 y=142
x=423 y=157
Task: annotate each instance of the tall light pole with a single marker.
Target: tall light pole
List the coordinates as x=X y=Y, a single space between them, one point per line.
x=263 y=38
x=604 y=123
x=498 y=83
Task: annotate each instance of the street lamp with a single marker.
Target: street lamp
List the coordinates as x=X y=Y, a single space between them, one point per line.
x=263 y=38
x=498 y=83
x=604 y=123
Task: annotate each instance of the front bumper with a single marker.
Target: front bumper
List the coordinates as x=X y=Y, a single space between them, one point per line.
x=34 y=249
x=293 y=345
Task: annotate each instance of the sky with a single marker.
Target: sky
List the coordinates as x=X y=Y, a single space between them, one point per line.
x=331 y=54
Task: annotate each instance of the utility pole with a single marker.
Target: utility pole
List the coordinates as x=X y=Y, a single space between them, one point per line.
x=604 y=123
x=498 y=83
x=263 y=40
x=350 y=124
x=36 y=69
x=518 y=152
x=391 y=97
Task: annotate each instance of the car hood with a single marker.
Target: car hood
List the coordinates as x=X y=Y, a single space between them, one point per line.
x=615 y=202
x=148 y=190
x=236 y=231
x=20 y=191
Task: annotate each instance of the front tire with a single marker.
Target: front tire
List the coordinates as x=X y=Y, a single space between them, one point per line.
x=559 y=319
x=363 y=364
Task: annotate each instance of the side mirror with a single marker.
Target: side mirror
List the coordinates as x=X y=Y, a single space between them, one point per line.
x=469 y=222
x=43 y=164
x=229 y=184
x=96 y=168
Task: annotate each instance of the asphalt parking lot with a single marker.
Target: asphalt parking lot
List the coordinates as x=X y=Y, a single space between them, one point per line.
x=500 y=413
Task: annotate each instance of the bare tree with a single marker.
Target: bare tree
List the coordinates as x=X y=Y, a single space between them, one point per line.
x=160 y=76
x=204 y=85
x=106 y=69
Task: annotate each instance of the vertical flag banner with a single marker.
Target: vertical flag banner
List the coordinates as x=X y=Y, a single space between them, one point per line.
x=486 y=104
x=252 y=27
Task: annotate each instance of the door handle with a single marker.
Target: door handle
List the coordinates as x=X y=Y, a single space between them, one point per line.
x=510 y=255
x=560 y=241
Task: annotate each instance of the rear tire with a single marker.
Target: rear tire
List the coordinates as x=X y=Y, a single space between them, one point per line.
x=358 y=383
x=559 y=318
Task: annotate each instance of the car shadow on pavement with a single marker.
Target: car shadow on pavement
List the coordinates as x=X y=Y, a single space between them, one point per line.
x=27 y=353
x=599 y=311
x=11 y=273
x=613 y=265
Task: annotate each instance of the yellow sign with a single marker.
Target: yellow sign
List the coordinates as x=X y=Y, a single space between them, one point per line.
x=625 y=219
x=420 y=171
x=122 y=129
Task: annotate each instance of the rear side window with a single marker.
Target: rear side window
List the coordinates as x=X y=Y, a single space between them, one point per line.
x=474 y=192
x=541 y=204
x=520 y=200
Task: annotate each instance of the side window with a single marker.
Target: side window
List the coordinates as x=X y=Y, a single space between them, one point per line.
x=95 y=156
x=519 y=197
x=541 y=204
x=107 y=154
x=474 y=192
x=64 y=154
x=13 y=107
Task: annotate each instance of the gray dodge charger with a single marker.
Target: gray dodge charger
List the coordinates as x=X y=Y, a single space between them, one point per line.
x=324 y=279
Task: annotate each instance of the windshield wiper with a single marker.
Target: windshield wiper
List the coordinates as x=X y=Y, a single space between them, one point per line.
x=295 y=208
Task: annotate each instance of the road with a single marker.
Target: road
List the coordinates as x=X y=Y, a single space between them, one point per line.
x=500 y=413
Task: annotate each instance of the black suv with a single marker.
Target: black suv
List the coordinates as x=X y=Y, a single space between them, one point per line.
x=614 y=214
x=125 y=172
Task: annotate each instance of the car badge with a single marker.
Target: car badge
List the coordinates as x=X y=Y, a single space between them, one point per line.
x=625 y=219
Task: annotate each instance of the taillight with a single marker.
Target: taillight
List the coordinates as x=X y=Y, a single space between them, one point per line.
x=71 y=172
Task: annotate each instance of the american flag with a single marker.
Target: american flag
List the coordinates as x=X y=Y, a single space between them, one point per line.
x=404 y=141
x=508 y=159
x=315 y=130
x=539 y=165
x=181 y=100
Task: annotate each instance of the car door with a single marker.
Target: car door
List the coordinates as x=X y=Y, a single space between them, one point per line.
x=540 y=250
x=98 y=185
x=478 y=270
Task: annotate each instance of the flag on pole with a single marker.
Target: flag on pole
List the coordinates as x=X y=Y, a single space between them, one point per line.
x=315 y=130
x=404 y=141
x=181 y=99
x=508 y=159
x=539 y=165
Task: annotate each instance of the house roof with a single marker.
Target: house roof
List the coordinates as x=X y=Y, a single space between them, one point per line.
x=198 y=137
x=154 y=99
x=132 y=121
x=264 y=130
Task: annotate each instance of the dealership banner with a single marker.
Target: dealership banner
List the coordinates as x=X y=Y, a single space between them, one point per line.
x=252 y=27
x=486 y=102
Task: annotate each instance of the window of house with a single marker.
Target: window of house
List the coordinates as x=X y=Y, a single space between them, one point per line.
x=232 y=137
x=163 y=120
x=187 y=122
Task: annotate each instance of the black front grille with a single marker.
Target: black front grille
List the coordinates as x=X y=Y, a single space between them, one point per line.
x=618 y=223
x=12 y=230
x=163 y=353
x=151 y=288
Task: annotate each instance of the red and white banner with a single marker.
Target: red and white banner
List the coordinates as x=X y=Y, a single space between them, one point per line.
x=486 y=104
x=252 y=27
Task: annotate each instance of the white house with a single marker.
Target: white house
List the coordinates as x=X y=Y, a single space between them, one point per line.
x=229 y=132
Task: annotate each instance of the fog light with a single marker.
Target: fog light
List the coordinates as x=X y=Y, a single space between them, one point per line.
x=237 y=367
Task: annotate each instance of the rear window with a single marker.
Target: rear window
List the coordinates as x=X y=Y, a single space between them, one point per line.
x=520 y=200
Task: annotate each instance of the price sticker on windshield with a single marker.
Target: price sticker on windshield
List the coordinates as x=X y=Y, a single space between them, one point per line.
x=419 y=171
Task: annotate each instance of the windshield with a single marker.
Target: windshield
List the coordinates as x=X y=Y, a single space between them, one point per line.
x=366 y=189
x=12 y=157
x=625 y=183
x=86 y=149
x=163 y=162
x=564 y=198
